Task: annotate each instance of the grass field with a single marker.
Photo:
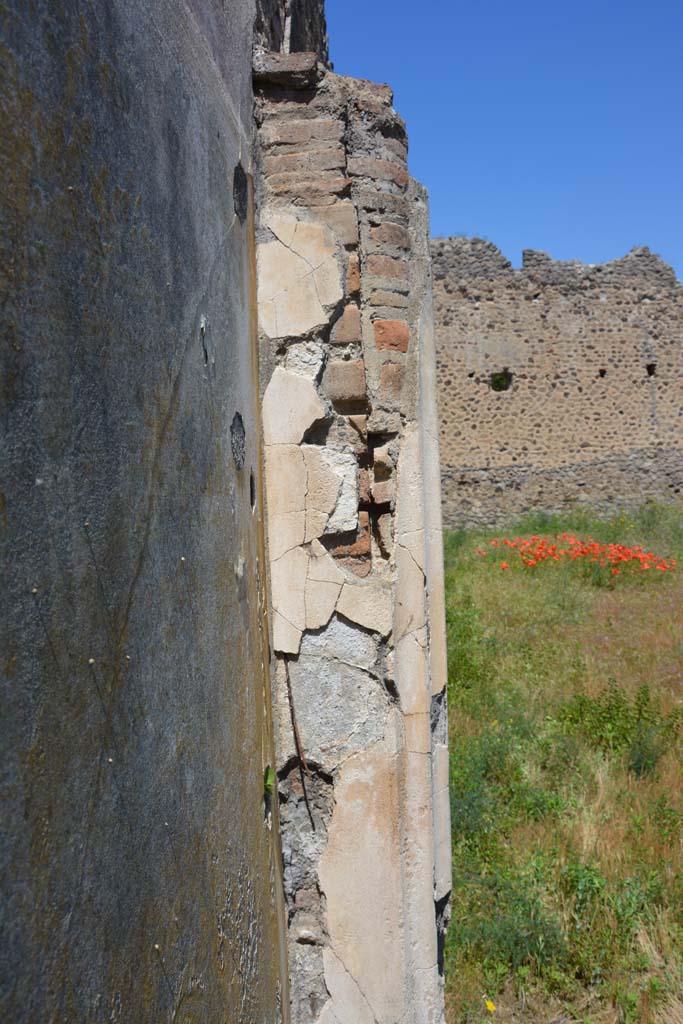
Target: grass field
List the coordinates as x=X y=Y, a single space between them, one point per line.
x=566 y=720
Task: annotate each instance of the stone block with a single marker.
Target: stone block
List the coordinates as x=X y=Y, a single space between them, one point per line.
x=344 y=380
x=393 y=335
x=289 y=133
x=347 y=328
x=289 y=70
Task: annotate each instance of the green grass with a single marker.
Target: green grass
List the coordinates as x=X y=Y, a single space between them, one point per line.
x=566 y=720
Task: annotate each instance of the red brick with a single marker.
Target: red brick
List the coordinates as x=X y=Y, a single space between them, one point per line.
x=392 y=334
x=361 y=545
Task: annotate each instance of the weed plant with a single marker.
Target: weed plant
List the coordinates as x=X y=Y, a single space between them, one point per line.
x=566 y=719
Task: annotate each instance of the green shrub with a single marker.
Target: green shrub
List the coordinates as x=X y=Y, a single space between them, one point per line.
x=615 y=723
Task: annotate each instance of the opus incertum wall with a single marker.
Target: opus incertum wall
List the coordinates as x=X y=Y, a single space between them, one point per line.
x=140 y=869
x=354 y=547
x=559 y=383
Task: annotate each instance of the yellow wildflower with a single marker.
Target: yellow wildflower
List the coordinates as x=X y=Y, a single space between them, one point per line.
x=491 y=1007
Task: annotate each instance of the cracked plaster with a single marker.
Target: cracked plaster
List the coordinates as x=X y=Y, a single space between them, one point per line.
x=300 y=278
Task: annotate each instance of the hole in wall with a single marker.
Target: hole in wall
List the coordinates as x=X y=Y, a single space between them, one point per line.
x=202 y=335
x=237 y=440
x=252 y=488
x=602 y=372
x=240 y=193
x=501 y=380
x=651 y=369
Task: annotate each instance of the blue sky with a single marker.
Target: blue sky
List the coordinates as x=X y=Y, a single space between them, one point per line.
x=539 y=124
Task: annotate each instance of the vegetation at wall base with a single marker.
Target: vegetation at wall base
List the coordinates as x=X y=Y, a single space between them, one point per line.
x=566 y=722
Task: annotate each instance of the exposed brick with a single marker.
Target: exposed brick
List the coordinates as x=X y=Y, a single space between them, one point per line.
x=330 y=158
x=387 y=267
x=360 y=546
x=344 y=380
x=391 y=376
x=390 y=234
x=347 y=328
x=353 y=276
x=302 y=184
x=392 y=334
x=380 y=170
x=301 y=133
x=360 y=567
x=381 y=298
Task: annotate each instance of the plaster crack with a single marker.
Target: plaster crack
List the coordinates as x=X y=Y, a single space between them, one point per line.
x=354 y=980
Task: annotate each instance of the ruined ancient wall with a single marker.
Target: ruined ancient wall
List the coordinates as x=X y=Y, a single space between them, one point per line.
x=354 y=547
x=140 y=874
x=590 y=360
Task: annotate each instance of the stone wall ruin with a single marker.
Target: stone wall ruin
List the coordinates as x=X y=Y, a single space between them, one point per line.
x=559 y=383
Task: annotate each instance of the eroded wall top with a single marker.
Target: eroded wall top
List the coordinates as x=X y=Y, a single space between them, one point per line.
x=558 y=382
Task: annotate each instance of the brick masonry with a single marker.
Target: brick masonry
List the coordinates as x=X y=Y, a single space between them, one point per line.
x=354 y=542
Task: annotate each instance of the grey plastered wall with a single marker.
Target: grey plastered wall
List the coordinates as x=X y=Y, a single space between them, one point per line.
x=140 y=874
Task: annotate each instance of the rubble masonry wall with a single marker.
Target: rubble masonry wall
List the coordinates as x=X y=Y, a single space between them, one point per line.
x=594 y=411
